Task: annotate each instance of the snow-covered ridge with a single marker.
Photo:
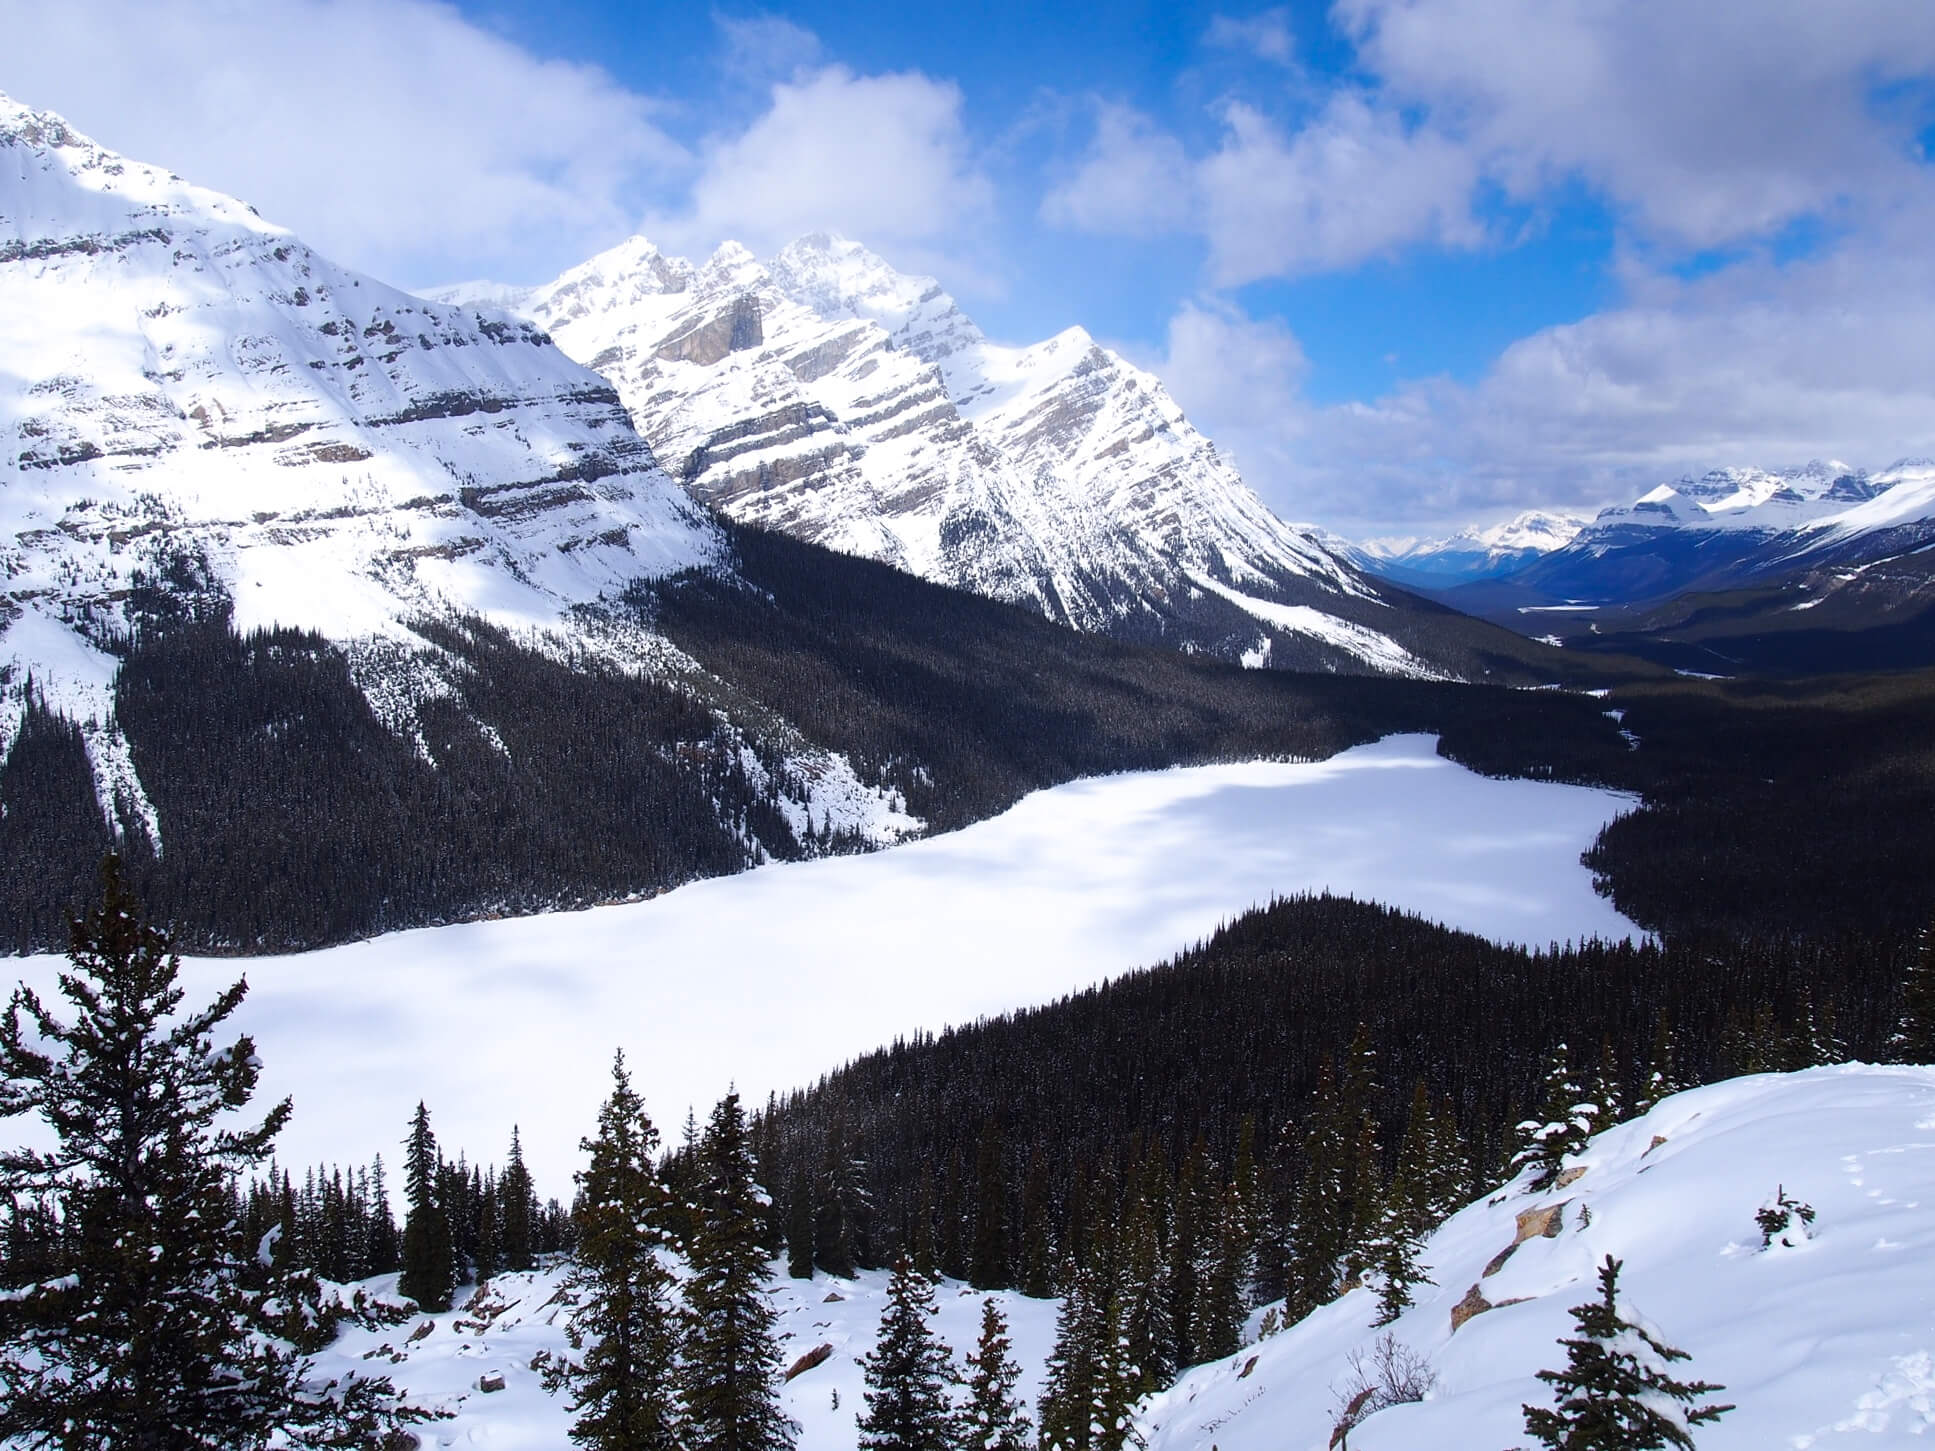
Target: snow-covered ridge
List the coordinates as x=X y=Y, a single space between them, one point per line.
x=188 y=390
x=823 y=393
x=1823 y=1344
x=1476 y=552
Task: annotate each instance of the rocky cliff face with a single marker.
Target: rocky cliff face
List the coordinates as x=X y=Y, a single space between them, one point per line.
x=824 y=394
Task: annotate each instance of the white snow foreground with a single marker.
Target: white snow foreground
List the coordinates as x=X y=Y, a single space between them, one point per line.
x=771 y=977
x=494 y=1334
x=825 y=394
x=1827 y=1343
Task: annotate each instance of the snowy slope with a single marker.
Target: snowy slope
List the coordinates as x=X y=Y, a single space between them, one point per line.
x=827 y=395
x=773 y=976
x=1824 y=1345
x=188 y=391
x=496 y=1332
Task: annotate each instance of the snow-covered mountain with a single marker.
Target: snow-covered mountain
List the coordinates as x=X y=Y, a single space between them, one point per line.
x=1477 y=552
x=191 y=398
x=1733 y=527
x=187 y=390
x=825 y=394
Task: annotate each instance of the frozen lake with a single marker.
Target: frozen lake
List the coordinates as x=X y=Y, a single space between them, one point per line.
x=770 y=978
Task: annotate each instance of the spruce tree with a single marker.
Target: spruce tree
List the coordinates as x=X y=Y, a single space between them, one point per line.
x=835 y=1231
x=1615 y=1393
x=1405 y=1216
x=518 y=1204
x=428 y=1265
x=908 y=1373
x=994 y=1419
x=1069 y=1387
x=624 y=1384
x=730 y=1373
x=1217 y=1328
x=1144 y=1294
x=383 y=1238
x=140 y=1328
x=1561 y=1130
x=1037 y=1232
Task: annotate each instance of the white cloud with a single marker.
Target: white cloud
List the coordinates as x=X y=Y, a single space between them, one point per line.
x=1266 y=35
x=1707 y=122
x=1353 y=184
x=1758 y=364
x=884 y=158
x=391 y=134
x=761 y=49
x=1135 y=178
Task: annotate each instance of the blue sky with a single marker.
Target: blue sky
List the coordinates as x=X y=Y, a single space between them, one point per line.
x=1415 y=262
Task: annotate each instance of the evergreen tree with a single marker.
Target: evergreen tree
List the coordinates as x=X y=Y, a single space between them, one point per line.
x=518 y=1209
x=623 y=1387
x=989 y=1269
x=994 y=1419
x=835 y=1231
x=488 y=1256
x=1914 y=1037
x=1069 y=1386
x=428 y=1264
x=384 y=1244
x=1143 y=1294
x=730 y=1373
x=1561 y=1130
x=1615 y=1393
x=1405 y=1216
x=1318 y=1230
x=140 y=1329
x=1186 y=1252
x=799 y=1226
x=1217 y=1329
x=908 y=1373
x=1037 y=1232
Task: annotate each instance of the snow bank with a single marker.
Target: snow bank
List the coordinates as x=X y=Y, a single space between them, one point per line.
x=1823 y=1345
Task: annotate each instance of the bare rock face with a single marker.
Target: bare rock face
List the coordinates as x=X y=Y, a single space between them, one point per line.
x=1541 y=1223
x=818 y=1355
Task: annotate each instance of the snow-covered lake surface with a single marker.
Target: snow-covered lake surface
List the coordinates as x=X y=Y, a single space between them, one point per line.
x=768 y=979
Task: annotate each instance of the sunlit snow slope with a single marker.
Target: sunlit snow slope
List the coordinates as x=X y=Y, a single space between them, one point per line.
x=1826 y=1344
x=771 y=977
x=189 y=394
x=826 y=394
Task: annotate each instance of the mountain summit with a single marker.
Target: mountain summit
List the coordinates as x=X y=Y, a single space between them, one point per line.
x=827 y=395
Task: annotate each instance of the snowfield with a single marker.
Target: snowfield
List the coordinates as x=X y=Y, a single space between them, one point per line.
x=1827 y=1344
x=498 y=1333
x=769 y=978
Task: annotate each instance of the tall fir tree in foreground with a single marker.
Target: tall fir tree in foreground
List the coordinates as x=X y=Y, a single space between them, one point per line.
x=141 y=1330
x=908 y=1373
x=428 y=1272
x=730 y=1376
x=994 y=1418
x=1615 y=1393
x=623 y=1386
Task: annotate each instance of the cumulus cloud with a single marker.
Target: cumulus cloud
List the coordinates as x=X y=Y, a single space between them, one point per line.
x=765 y=48
x=392 y=134
x=1707 y=123
x=1704 y=125
x=880 y=157
x=1758 y=364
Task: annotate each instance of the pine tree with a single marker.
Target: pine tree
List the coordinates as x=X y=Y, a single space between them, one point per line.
x=834 y=1231
x=428 y=1272
x=1914 y=1037
x=908 y=1373
x=1561 y=1130
x=1037 y=1232
x=487 y=1258
x=1186 y=1251
x=1143 y=1293
x=994 y=1419
x=1068 y=1388
x=142 y=1329
x=1662 y=1078
x=1615 y=1393
x=730 y=1373
x=623 y=1387
x=383 y=1239
x=517 y=1201
x=1217 y=1329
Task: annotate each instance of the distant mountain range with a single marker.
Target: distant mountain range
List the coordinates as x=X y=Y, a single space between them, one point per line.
x=1473 y=553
